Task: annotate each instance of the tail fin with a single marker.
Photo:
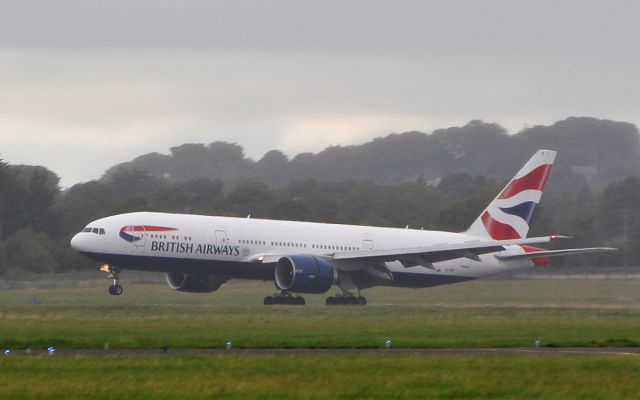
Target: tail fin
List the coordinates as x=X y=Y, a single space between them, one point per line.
x=509 y=214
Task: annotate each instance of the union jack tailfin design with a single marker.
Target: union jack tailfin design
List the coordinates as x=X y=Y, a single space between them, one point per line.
x=509 y=214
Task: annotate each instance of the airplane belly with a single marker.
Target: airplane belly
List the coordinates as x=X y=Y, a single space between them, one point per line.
x=234 y=269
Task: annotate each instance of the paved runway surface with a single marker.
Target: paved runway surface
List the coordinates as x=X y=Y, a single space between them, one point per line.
x=630 y=351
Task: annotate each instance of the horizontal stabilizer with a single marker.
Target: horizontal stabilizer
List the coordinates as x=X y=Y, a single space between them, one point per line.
x=554 y=253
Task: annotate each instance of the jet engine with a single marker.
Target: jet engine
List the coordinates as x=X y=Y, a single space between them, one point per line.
x=304 y=274
x=195 y=283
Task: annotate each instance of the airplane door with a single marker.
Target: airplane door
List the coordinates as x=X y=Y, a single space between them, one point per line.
x=221 y=237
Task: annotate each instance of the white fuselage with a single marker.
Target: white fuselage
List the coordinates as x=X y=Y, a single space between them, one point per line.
x=234 y=247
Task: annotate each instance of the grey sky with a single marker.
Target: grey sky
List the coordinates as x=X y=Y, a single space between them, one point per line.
x=84 y=84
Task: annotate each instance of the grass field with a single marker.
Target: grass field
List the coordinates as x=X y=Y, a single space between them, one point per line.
x=322 y=376
x=489 y=313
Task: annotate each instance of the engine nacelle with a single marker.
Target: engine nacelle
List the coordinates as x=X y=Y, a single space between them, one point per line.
x=304 y=274
x=194 y=283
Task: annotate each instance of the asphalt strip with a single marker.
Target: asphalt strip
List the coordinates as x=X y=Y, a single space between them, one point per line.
x=621 y=351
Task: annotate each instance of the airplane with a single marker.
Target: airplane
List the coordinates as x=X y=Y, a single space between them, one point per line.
x=200 y=253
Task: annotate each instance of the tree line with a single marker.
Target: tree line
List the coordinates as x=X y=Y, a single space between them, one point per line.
x=590 y=150
x=37 y=218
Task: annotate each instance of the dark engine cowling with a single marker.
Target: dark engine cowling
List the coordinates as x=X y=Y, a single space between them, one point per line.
x=304 y=274
x=194 y=283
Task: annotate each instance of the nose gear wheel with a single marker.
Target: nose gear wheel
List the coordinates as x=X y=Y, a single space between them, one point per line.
x=114 y=274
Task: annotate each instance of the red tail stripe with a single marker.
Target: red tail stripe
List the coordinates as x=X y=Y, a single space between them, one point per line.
x=497 y=229
x=536 y=260
x=534 y=180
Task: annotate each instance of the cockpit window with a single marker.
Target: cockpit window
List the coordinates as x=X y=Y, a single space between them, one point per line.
x=97 y=231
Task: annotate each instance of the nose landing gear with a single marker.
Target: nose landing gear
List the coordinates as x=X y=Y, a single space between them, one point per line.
x=114 y=274
x=115 y=290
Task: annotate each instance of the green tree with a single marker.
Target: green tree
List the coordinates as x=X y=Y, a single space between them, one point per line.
x=30 y=251
x=199 y=196
x=293 y=209
x=42 y=188
x=13 y=195
x=128 y=183
x=131 y=204
x=83 y=203
x=619 y=216
x=253 y=198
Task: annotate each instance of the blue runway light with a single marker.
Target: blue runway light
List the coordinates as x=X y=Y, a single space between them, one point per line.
x=7 y=352
x=51 y=349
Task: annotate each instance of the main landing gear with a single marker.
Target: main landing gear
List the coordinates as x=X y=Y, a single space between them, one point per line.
x=341 y=300
x=346 y=298
x=284 y=298
x=114 y=274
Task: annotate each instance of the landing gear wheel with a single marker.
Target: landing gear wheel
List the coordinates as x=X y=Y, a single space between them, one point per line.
x=284 y=298
x=346 y=301
x=114 y=274
x=115 y=290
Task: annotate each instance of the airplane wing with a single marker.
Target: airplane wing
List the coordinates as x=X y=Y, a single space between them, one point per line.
x=427 y=255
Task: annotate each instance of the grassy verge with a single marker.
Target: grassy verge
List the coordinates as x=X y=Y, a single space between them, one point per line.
x=318 y=376
x=478 y=314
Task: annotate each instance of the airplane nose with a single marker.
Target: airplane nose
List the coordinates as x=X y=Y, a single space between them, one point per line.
x=77 y=242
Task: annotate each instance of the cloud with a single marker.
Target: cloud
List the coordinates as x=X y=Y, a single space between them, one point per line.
x=308 y=134
x=107 y=81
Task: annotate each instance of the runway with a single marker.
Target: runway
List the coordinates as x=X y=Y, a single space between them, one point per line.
x=619 y=351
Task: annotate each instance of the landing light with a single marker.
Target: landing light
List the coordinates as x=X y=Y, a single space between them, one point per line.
x=260 y=258
x=105 y=268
